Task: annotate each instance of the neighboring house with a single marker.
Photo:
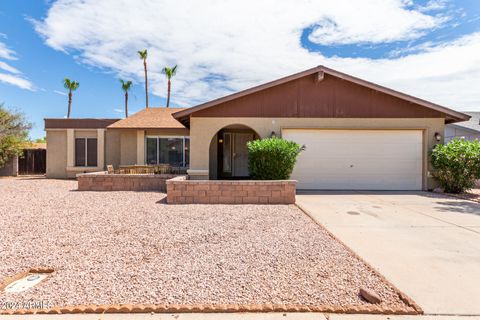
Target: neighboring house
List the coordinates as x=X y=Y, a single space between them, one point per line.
x=358 y=135
x=31 y=161
x=469 y=130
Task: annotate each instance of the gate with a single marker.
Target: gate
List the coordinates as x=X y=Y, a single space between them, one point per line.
x=33 y=161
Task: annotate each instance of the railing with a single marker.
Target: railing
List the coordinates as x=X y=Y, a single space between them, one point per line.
x=147 y=169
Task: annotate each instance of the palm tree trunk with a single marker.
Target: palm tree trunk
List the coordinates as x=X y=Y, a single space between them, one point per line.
x=69 y=103
x=146 y=82
x=168 y=93
x=126 y=104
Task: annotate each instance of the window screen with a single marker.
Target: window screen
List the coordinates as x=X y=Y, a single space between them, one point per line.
x=80 y=152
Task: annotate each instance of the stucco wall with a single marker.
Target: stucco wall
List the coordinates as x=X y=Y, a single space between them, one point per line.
x=86 y=133
x=202 y=130
x=56 y=154
x=112 y=147
x=128 y=147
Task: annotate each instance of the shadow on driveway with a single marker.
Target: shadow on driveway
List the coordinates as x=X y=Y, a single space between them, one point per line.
x=459 y=207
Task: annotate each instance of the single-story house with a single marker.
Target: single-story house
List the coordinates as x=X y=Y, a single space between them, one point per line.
x=358 y=135
x=469 y=130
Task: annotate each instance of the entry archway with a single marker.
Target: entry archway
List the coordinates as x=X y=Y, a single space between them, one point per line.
x=228 y=156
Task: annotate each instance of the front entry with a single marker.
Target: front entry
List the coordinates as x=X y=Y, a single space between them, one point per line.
x=233 y=153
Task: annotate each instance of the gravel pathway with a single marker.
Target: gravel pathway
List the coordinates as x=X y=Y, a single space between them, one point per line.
x=132 y=248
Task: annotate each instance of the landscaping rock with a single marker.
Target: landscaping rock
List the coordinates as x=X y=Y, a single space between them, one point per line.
x=370 y=296
x=130 y=248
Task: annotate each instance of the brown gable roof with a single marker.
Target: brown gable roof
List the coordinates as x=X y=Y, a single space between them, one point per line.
x=150 y=118
x=450 y=115
x=84 y=123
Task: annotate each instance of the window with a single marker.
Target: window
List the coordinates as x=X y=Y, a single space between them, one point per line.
x=171 y=150
x=85 y=152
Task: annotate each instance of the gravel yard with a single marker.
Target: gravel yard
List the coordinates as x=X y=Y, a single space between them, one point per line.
x=132 y=248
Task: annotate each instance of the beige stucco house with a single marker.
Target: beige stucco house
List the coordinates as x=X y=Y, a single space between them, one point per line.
x=358 y=135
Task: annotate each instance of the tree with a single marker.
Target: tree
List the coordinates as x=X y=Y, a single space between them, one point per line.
x=169 y=72
x=13 y=134
x=143 y=55
x=126 y=85
x=70 y=85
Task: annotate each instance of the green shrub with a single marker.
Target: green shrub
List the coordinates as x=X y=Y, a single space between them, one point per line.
x=272 y=158
x=457 y=164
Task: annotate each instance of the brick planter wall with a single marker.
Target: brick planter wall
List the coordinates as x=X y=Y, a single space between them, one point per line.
x=102 y=181
x=181 y=190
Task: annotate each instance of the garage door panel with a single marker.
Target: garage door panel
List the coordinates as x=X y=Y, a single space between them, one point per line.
x=358 y=159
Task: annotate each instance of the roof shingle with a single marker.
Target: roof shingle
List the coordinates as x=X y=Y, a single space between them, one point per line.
x=150 y=118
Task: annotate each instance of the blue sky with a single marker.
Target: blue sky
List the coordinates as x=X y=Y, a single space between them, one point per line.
x=427 y=48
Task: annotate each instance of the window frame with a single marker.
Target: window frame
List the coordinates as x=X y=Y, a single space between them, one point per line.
x=85 y=165
x=158 y=137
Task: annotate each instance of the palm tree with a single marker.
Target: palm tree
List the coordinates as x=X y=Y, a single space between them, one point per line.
x=70 y=85
x=143 y=55
x=169 y=72
x=126 y=87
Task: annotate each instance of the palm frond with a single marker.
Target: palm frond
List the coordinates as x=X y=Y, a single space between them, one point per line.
x=126 y=85
x=143 y=54
x=169 y=72
x=70 y=84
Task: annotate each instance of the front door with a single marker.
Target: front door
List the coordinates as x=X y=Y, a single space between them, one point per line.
x=240 y=154
x=234 y=153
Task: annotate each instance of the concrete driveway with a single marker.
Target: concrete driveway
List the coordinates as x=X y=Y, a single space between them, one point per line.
x=428 y=245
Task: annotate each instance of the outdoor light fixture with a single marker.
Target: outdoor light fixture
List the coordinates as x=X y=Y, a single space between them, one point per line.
x=220 y=140
x=273 y=134
x=438 y=136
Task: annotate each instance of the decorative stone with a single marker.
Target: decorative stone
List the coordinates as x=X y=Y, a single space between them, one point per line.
x=370 y=296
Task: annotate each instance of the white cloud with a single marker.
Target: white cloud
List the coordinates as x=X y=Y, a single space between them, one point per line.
x=5 y=52
x=60 y=92
x=434 y=5
x=16 y=81
x=14 y=77
x=225 y=46
x=5 y=66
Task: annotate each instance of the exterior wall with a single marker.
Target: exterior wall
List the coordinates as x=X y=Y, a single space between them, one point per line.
x=306 y=97
x=101 y=181
x=128 y=147
x=85 y=133
x=112 y=147
x=56 y=154
x=10 y=169
x=202 y=130
x=182 y=191
x=61 y=152
x=452 y=131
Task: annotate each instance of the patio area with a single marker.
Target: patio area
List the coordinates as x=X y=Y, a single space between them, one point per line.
x=130 y=251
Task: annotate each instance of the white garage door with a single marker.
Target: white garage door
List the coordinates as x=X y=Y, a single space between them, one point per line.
x=358 y=159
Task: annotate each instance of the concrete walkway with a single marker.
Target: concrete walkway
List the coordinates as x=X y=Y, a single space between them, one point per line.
x=428 y=245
